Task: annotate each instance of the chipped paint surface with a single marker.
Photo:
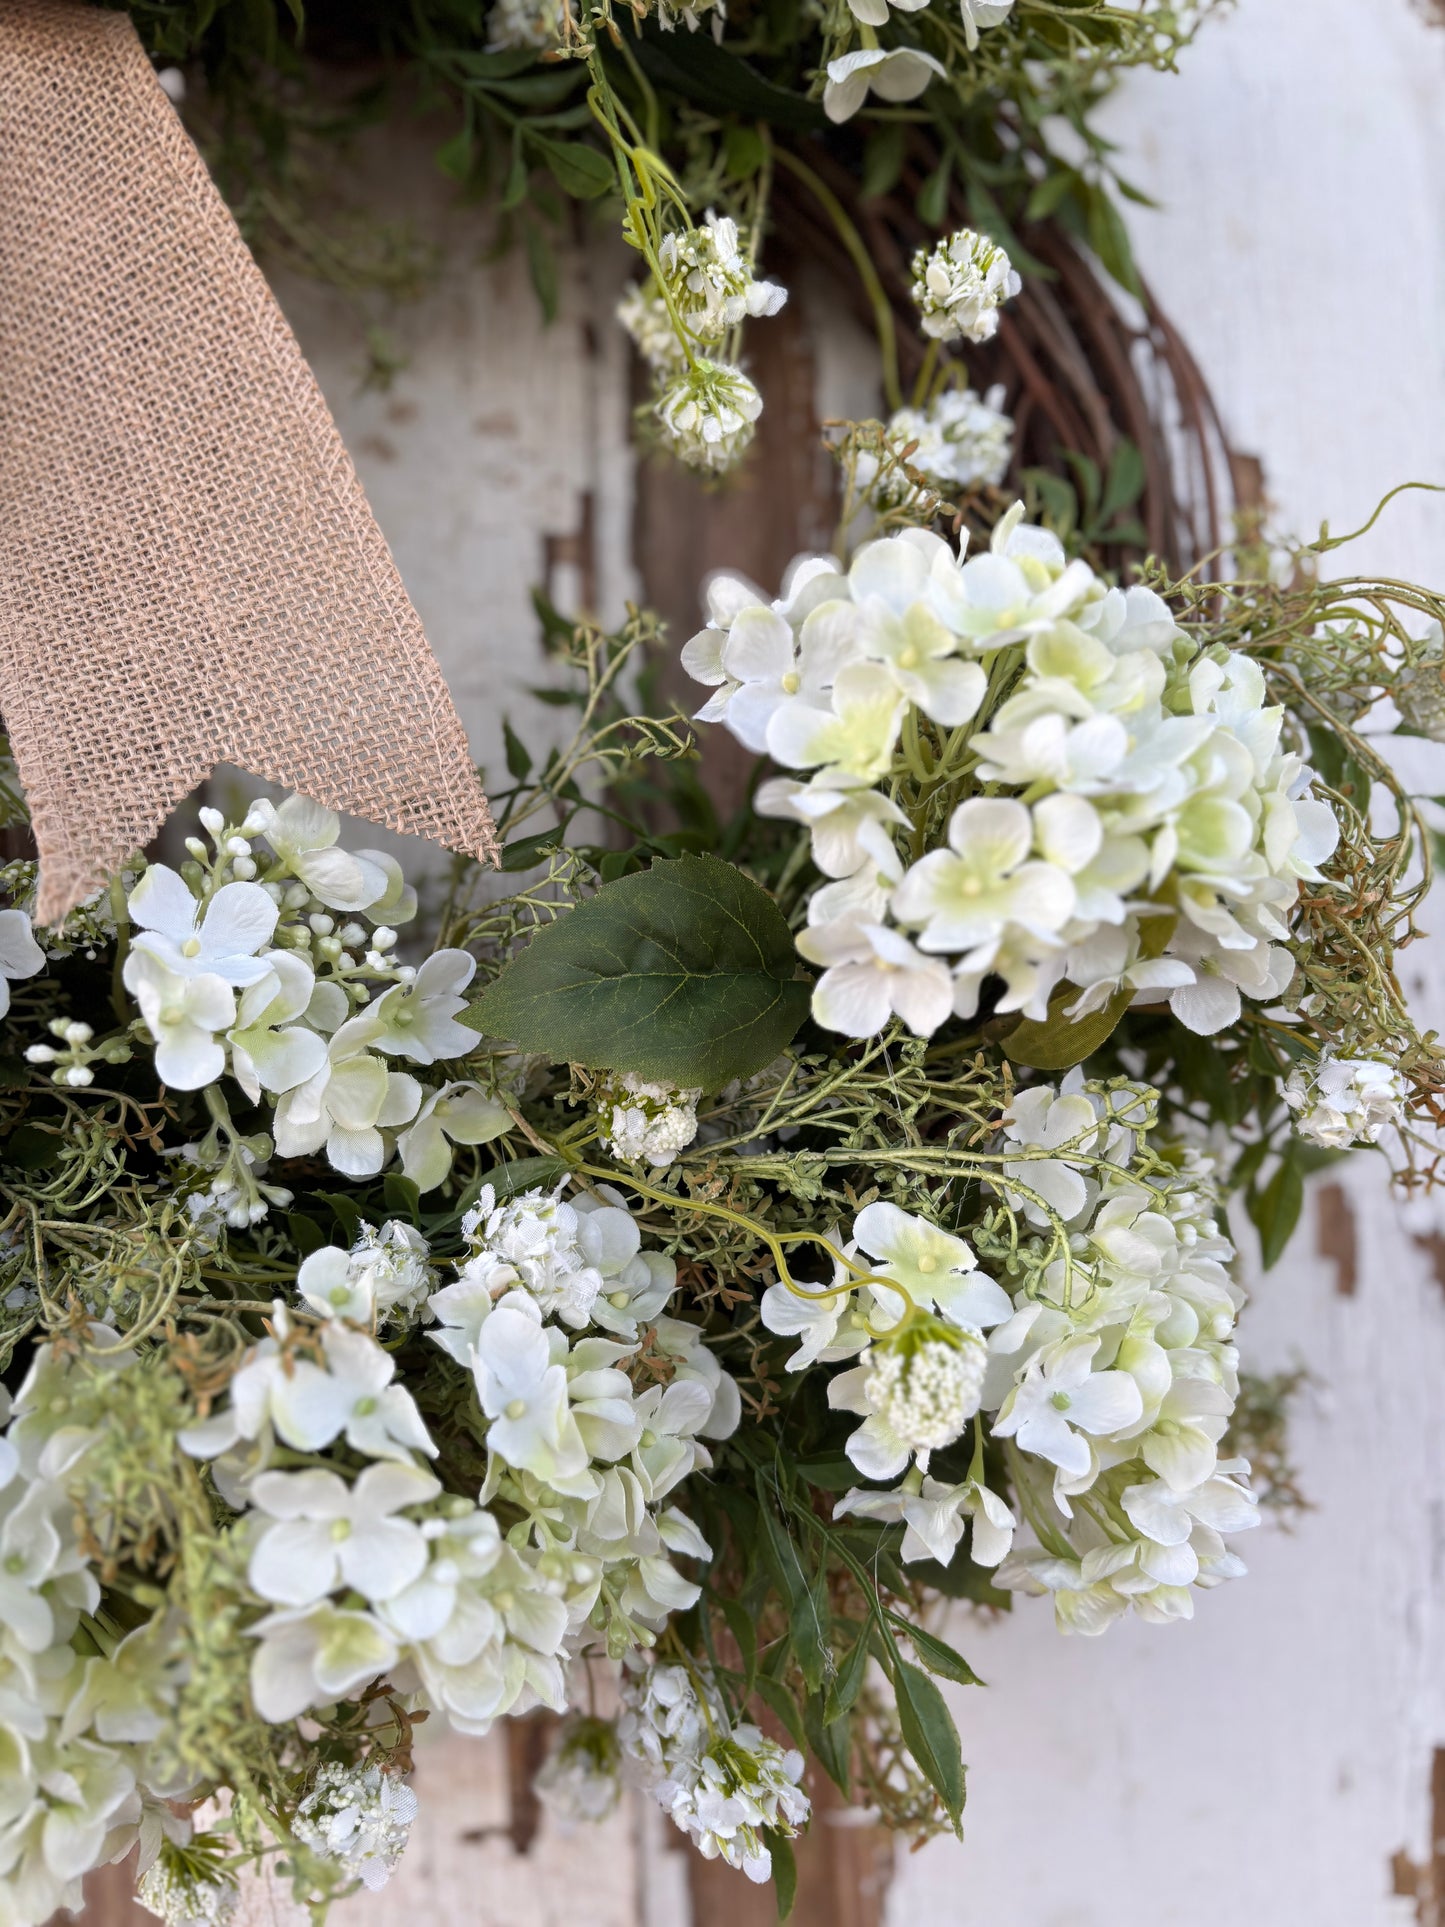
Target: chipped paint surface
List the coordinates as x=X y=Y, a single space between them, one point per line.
x=1264 y=1765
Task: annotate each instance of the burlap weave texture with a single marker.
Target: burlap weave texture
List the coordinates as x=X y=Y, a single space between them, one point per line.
x=189 y=572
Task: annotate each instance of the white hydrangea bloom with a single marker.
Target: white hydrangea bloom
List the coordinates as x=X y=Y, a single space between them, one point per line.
x=185 y=1014
x=961 y=440
x=20 y=955
x=1148 y=833
x=960 y=284
x=384 y=1276
x=935 y=1516
x=708 y=411
x=647 y=1123
x=982 y=13
x=893 y=73
x=359 y=1816
x=722 y=1784
x=1340 y=1101
x=533 y=1240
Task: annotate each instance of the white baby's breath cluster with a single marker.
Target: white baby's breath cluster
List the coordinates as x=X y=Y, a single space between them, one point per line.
x=723 y=1783
x=709 y=275
x=186 y=1892
x=961 y=440
x=960 y=284
x=358 y=1816
x=708 y=411
x=1146 y=829
x=581 y=1777
x=1340 y=1101
x=647 y=1123
x=271 y=961
x=708 y=287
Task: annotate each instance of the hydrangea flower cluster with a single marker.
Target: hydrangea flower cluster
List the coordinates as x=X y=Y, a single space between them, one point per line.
x=84 y=1769
x=385 y=1573
x=1340 y=1101
x=960 y=284
x=961 y=440
x=271 y=960
x=359 y=1817
x=1108 y=1365
x=723 y=1783
x=1145 y=830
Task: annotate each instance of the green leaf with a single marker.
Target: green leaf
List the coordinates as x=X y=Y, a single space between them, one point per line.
x=306 y=1234
x=30 y=1148
x=521 y=1174
x=883 y=159
x=811 y=1625
x=1109 y=239
x=1125 y=482
x=937 y=1655
x=932 y=199
x=514 y=188
x=931 y=1737
x=785 y=1870
x=1060 y=1042
x=526 y=852
x=402 y=1196
x=682 y=973
x=542 y=266
x=848 y=1682
x=779 y=1701
x=744 y=152
x=519 y=757
x=830 y=1741
x=348 y=1216
x=454 y=157
x=835 y=1474
x=579 y=170
x=744 y=1630
x=1275 y=1210
x=1048 y=192
x=694 y=66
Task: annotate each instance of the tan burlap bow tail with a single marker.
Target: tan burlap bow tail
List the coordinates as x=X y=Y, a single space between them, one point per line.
x=189 y=572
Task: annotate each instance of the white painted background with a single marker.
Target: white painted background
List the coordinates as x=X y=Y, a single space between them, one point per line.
x=1260 y=1767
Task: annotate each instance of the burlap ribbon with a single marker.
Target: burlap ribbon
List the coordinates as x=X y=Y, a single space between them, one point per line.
x=189 y=572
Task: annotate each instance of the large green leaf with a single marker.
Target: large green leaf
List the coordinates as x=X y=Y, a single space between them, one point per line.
x=1059 y=1042
x=930 y=1736
x=683 y=974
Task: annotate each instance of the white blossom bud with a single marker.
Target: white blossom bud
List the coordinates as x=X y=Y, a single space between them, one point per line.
x=297 y=896
x=212 y=820
x=961 y=284
x=258 y=817
x=77 y=1033
x=41 y=1054
x=237 y=846
x=245 y=868
x=78 y=1075
x=353 y=935
x=196 y=847
x=321 y=923
x=383 y=938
